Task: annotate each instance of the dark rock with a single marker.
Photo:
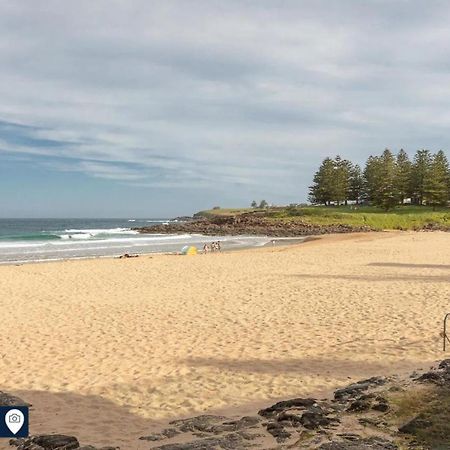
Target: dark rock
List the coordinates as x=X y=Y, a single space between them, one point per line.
x=47 y=442
x=11 y=400
x=311 y=420
x=242 y=423
x=432 y=226
x=249 y=436
x=289 y=417
x=361 y=444
x=430 y=376
x=232 y=441
x=278 y=431
x=444 y=365
x=170 y=432
x=359 y=405
x=287 y=404
x=204 y=423
x=349 y=436
x=167 y=433
x=439 y=376
x=356 y=388
x=318 y=409
x=208 y=424
x=413 y=426
x=381 y=406
x=370 y=421
x=90 y=447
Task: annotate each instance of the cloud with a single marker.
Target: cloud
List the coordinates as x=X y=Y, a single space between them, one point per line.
x=220 y=95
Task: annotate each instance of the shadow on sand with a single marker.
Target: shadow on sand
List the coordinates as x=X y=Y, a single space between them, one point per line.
x=410 y=266
x=300 y=367
x=376 y=278
x=92 y=419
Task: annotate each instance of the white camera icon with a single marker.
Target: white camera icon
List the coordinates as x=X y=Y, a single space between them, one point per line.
x=14 y=418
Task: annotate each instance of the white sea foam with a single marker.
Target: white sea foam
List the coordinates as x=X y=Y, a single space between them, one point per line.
x=82 y=240
x=21 y=244
x=79 y=243
x=97 y=231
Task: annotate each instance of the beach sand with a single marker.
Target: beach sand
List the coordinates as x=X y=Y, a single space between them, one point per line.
x=108 y=349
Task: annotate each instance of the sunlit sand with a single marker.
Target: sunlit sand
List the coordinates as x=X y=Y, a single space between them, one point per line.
x=106 y=348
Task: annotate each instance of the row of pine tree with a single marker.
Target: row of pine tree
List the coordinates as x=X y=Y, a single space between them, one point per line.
x=387 y=180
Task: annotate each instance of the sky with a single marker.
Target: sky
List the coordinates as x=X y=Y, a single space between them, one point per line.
x=120 y=108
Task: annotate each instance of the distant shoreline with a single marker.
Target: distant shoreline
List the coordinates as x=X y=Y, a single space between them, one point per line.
x=23 y=240
x=276 y=242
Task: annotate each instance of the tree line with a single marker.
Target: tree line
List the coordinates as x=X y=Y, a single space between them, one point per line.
x=387 y=180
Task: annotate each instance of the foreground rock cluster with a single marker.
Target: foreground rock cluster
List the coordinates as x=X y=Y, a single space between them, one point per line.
x=297 y=423
x=250 y=224
x=374 y=414
x=53 y=442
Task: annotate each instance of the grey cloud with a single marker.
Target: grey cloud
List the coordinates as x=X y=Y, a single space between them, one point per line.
x=244 y=95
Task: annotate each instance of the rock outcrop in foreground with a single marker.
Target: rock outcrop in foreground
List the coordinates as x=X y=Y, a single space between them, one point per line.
x=375 y=414
x=249 y=224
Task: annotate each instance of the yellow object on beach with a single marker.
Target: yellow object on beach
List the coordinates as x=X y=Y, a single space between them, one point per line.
x=189 y=250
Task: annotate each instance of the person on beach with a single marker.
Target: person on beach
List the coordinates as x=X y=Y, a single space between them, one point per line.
x=206 y=248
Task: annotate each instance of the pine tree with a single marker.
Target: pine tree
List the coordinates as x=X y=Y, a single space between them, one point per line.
x=322 y=191
x=403 y=176
x=379 y=180
x=387 y=195
x=342 y=171
x=419 y=173
x=372 y=179
x=386 y=181
x=436 y=181
x=356 y=184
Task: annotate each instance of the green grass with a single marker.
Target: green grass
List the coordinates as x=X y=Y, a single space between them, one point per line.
x=431 y=404
x=401 y=218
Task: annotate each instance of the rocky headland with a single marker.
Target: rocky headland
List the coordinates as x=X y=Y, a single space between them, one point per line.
x=379 y=413
x=253 y=223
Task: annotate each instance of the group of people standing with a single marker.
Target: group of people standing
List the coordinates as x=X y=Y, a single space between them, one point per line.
x=213 y=247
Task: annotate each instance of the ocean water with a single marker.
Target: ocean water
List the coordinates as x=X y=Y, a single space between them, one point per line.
x=31 y=240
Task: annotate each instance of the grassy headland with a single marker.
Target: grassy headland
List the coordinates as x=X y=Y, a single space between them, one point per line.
x=401 y=218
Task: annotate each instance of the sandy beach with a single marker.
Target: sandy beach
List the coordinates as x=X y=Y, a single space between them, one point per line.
x=108 y=349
